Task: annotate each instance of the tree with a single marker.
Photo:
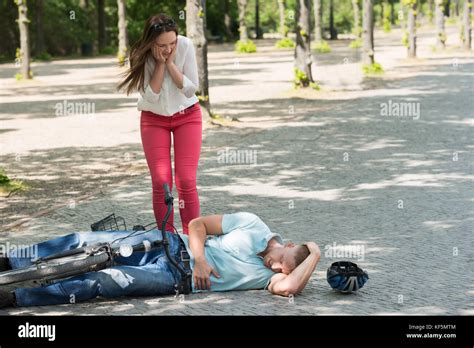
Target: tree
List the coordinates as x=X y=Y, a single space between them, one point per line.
x=102 y=36
x=227 y=20
x=467 y=38
x=368 y=33
x=258 y=31
x=332 y=28
x=303 y=44
x=281 y=11
x=430 y=11
x=318 y=21
x=195 y=30
x=40 y=47
x=440 y=33
x=24 y=55
x=242 y=26
x=392 y=12
x=122 y=32
x=356 y=28
x=412 y=5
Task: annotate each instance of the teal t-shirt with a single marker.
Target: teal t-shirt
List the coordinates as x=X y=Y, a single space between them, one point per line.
x=234 y=253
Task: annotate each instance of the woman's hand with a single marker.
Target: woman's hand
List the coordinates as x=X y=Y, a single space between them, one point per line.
x=201 y=274
x=172 y=54
x=157 y=55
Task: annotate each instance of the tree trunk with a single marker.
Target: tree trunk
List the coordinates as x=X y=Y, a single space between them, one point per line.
x=122 y=31
x=392 y=12
x=355 y=10
x=303 y=41
x=228 y=20
x=195 y=30
x=447 y=8
x=318 y=21
x=332 y=29
x=456 y=7
x=440 y=33
x=40 y=48
x=382 y=9
x=242 y=26
x=412 y=31
x=281 y=12
x=101 y=25
x=467 y=24
x=430 y=11
x=368 y=33
x=258 y=31
x=24 y=39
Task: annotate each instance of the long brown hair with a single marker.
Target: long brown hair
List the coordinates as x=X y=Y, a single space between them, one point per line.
x=154 y=26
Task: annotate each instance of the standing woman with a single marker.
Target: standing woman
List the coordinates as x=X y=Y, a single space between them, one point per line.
x=163 y=69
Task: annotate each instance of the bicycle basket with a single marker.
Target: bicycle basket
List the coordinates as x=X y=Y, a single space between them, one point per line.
x=110 y=223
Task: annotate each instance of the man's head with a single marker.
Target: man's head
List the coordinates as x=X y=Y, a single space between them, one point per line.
x=284 y=259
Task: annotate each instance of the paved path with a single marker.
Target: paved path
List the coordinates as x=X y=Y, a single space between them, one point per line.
x=330 y=168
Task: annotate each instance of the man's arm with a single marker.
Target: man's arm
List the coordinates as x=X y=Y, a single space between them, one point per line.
x=294 y=283
x=199 y=229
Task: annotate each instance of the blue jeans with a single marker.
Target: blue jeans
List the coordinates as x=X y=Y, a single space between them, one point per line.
x=141 y=274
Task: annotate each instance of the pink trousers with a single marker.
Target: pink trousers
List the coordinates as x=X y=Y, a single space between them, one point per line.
x=156 y=130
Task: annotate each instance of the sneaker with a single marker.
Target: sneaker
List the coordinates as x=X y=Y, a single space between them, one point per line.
x=4 y=264
x=7 y=299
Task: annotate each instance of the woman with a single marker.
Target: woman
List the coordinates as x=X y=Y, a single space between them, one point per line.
x=163 y=69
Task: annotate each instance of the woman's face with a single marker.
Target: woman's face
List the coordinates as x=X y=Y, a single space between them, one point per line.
x=166 y=42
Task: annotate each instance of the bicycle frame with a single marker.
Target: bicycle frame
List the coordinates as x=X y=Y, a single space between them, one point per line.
x=183 y=287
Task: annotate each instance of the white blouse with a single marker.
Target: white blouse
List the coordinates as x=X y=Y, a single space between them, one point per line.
x=171 y=99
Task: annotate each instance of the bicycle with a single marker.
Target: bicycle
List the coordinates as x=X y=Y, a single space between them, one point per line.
x=99 y=256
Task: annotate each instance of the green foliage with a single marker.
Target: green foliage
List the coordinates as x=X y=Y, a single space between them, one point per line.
x=245 y=46
x=372 y=69
x=387 y=26
x=108 y=50
x=301 y=79
x=285 y=43
x=405 y=39
x=43 y=56
x=451 y=21
x=322 y=47
x=357 y=43
x=8 y=185
x=315 y=86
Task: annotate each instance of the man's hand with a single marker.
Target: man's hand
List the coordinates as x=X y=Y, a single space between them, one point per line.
x=202 y=273
x=294 y=283
x=313 y=248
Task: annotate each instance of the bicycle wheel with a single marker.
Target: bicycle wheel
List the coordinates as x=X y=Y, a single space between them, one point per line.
x=57 y=268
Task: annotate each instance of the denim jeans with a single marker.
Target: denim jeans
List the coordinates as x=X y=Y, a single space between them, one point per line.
x=141 y=274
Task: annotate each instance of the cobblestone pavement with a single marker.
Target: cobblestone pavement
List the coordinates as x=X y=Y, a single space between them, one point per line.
x=330 y=169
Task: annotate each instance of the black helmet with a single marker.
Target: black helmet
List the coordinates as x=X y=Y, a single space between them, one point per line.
x=346 y=276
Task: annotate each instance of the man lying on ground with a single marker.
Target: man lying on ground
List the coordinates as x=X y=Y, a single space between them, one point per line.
x=228 y=252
